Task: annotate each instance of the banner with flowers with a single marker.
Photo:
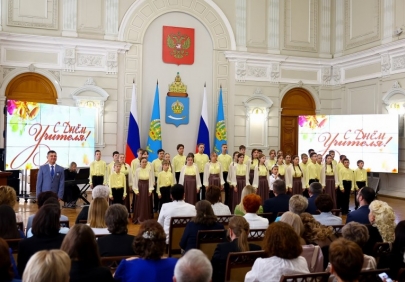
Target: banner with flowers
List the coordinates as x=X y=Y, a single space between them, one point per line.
x=34 y=128
x=371 y=138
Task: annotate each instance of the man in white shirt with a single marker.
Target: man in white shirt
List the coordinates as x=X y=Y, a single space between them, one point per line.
x=324 y=203
x=212 y=195
x=176 y=208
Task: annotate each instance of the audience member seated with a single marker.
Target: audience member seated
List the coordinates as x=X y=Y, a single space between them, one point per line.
x=151 y=266
x=346 y=259
x=205 y=219
x=119 y=243
x=283 y=250
x=72 y=191
x=80 y=244
x=9 y=197
x=280 y=203
x=315 y=233
x=251 y=203
x=8 y=224
x=96 y=220
x=46 y=236
x=239 y=209
x=178 y=207
x=238 y=231
x=315 y=189
x=324 y=204
x=42 y=197
x=396 y=259
x=213 y=195
x=295 y=222
x=297 y=204
x=51 y=201
x=364 y=196
x=193 y=266
x=100 y=191
x=6 y=265
x=48 y=266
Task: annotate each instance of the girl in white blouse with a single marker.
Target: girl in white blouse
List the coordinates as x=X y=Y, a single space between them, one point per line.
x=213 y=174
x=261 y=179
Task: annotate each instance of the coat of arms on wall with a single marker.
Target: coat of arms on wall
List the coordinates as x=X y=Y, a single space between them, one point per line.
x=178 y=45
x=177 y=103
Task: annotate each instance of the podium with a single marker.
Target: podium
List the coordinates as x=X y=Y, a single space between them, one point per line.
x=3 y=177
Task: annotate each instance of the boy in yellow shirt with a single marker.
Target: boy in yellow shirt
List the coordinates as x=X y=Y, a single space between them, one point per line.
x=360 y=180
x=165 y=180
x=346 y=180
x=118 y=185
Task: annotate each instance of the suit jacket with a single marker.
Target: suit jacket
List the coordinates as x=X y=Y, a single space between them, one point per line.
x=311 y=204
x=360 y=215
x=46 y=183
x=375 y=237
x=116 y=245
x=83 y=271
x=276 y=204
x=189 y=239
x=220 y=256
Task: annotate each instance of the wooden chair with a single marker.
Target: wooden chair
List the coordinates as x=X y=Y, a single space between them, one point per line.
x=337 y=229
x=13 y=244
x=20 y=226
x=64 y=223
x=401 y=275
x=207 y=240
x=337 y=212
x=83 y=221
x=238 y=264
x=176 y=230
x=256 y=236
x=371 y=275
x=381 y=250
x=112 y=262
x=268 y=215
x=224 y=220
x=313 y=277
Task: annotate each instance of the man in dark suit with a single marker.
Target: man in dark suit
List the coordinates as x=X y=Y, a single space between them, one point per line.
x=280 y=203
x=365 y=196
x=315 y=189
x=51 y=177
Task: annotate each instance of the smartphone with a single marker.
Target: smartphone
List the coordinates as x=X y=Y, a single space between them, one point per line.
x=385 y=276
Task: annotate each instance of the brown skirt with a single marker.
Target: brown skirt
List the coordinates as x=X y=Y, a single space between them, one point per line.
x=263 y=189
x=190 y=188
x=236 y=196
x=127 y=201
x=297 y=186
x=214 y=179
x=251 y=176
x=143 y=208
x=330 y=188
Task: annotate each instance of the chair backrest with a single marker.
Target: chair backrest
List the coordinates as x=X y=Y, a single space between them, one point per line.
x=372 y=275
x=238 y=264
x=337 y=212
x=401 y=275
x=176 y=230
x=256 y=236
x=268 y=215
x=224 y=220
x=381 y=250
x=280 y=214
x=207 y=240
x=100 y=235
x=313 y=277
x=64 y=223
x=83 y=221
x=314 y=256
x=13 y=244
x=112 y=262
x=20 y=226
x=337 y=229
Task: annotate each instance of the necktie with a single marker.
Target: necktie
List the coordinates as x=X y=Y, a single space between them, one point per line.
x=52 y=171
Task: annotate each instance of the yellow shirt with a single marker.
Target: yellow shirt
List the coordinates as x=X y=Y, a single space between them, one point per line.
x=157 y=166
x=360 y=175
x=200 y=160
x=144 y=173
x=334 y=163
x=178 y=162
x=270 y=164
x=126 y=170
x=225 y=161
x=254 y=164
x=281 y=169
x=98 y=168
x=117 y=180
x=346 y=174
x=215 y=168
x=296 y=171
x=164 y=179
x=329 y=170
x=135 y=164
x=190 y=170
x=313 y=171
x=246 y=159
x=241 y=169
x=303 y=166
x=262 y=170
x=110 y=168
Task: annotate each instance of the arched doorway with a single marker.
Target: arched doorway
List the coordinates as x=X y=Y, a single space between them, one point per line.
x=296 y=102
x=31 y=87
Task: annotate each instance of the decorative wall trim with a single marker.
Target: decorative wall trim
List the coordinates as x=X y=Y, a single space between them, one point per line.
x=310 y=89
x=111 y=24
x=69 y=18
x=339 y=26
x=241 y=24
x=389 y=16
x=395 y=89
x=325 y=28
x=274 y=26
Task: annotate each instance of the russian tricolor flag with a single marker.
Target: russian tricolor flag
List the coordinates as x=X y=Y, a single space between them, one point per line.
x=203 y=131
x=133 y=141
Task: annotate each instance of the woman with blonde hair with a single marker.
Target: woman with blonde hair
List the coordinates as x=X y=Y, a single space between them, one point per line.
x=295 y=222
x=47 y=266
x=382 y=216
x=238 y=232
x=9 y=197
x=240 y=209
x=316 y=233
x=95 y=219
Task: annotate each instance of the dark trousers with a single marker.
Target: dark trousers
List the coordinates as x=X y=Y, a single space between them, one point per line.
x=155 y=197
x=305 y=193
x=226 y=188
x=360 y=184
x=201 y=195
x=117 y=194
x=165 y=196
x=345 y=196
x=177 y=176
x=271 y=194
x=97 y=180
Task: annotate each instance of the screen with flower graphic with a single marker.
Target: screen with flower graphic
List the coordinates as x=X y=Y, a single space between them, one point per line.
x=371 y=138
x=34 y=128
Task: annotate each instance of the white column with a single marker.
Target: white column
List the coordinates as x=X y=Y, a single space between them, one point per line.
x=325 y=29
x=69 y=18
x=388 y=29
x=340 y=25
x=273 y=40
x=111 y=19
x=241 y=24
x=1 y=18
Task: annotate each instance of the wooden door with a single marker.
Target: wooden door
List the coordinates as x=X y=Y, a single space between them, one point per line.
x=296 y=102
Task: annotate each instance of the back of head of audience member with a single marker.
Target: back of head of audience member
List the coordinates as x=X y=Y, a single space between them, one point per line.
x=382 y=216
x=346 y=259
x=324 y=203
x=399 y=243
x=367 y=195
x=213 y=194
x=282 y=241
x=298 y=204
x=80 y=244
x=8 y=223
x=313 y=230
x=279 y=187
x=43 y=196
x=6 y=269
x=315 y=188
x=294 y=221
x=150 y=243
x=247 y=190
x=47 y=266
x=356 y=232
x=100 y=191
x=204 y=213
x=240 y=228
x=251 y=203
x=193 y=266
x=116 y=219
x=46 y=221
x=8 y=196
x=52 y=201
x=177 y=192
x=97 y=210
